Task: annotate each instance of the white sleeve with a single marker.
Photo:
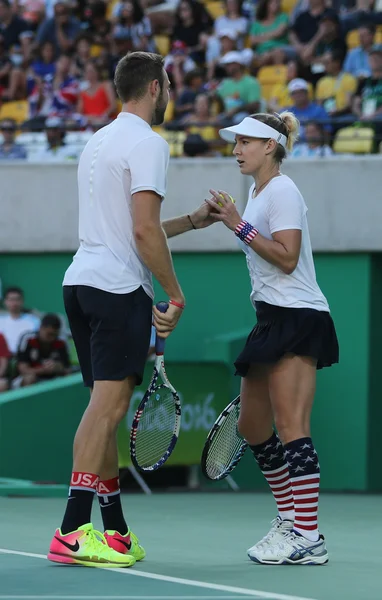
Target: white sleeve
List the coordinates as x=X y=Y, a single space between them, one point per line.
x=286 y=210
x=148 y=164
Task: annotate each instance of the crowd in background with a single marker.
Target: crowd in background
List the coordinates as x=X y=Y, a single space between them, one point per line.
x=33 y=347
x=322 y=59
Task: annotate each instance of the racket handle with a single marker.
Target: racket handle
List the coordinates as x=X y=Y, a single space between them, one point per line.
x=160 y=342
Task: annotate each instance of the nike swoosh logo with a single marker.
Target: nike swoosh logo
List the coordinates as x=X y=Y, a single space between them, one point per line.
x=106 y=505
x=126 y=544
x=73 y=547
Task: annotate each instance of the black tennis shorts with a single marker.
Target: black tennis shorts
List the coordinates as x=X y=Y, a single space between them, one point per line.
x=280 y=331
x=111 y=332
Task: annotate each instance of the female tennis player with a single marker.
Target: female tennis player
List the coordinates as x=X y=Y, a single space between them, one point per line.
x=294 y=336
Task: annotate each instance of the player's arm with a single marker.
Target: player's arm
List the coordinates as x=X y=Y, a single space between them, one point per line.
x=198 y=219
x=151 y=242
x=285 y=222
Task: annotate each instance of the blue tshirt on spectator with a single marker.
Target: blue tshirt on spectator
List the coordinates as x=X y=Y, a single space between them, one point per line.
x=357 y=63
x=313 y=112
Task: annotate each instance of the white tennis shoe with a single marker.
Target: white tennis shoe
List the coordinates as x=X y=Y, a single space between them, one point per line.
x=292 y=549
x=277 y=532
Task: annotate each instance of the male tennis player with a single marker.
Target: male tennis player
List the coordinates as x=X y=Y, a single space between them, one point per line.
x=108 y=298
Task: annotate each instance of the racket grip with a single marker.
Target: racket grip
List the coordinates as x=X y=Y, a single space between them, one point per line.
x=160 y=342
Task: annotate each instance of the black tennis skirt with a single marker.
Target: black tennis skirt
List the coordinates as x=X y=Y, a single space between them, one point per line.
x=279 y=331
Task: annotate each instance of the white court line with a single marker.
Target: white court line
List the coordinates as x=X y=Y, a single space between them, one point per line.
x=42 y=597
x=260 y=595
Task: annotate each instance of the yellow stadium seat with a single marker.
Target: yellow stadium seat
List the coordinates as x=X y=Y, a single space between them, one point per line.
x=175 y=140
x=273 y=74
x=354 y=140
x=269 y=76
x=17 y=110
x=162 y=43
x=215 y=8
x=95 y=50
x=170 y=111
x=287 y=6
x=352 y=38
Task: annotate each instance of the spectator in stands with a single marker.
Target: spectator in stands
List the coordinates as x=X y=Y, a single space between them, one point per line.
x=268 y=33
x=280 y=95
x=4 y=363
x=303 y=108
x=42 y=355
x=61 y=30
x=336 y=89
x=193 y=85
x=192 y=29
x=97 y=101
x=362 y=11
x=5 y=69
x=367 y=104
x=9 y=149
x=217 y=48
x=58 y=95
x=14 y=30
x=15 y=322
x=82 y=54
x=232 y=21
x=96 y=25
x=357 y=59
x=131 y=18
x=239 y=92
x=44 y=63
x=56 y=149
x=194 y=145
x=178 y=63
x=33 y=12
x=311 y=28
x=315 y=145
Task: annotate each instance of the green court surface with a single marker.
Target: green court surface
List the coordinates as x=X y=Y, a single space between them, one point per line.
x=196 y=549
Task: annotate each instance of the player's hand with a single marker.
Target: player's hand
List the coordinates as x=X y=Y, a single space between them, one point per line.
x=224 y=209
x=201 y=217
x=166 y=322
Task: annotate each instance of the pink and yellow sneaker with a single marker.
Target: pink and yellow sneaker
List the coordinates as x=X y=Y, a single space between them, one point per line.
x=86 y=547
x=125 y=544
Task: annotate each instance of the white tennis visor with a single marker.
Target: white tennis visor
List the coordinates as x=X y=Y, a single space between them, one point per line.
x=253 y=128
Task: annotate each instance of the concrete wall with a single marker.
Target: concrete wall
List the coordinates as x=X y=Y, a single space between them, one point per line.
x=39 y=203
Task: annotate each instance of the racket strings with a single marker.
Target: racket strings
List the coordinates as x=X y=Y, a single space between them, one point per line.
x=156 y=427
x=225 y=446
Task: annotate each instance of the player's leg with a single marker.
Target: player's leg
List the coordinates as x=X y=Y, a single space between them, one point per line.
x=76 y=541
x=292 y=383
x=121 y=349
x=256 y=426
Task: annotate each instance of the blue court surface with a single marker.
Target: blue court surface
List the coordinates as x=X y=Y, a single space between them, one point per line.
x=196 y=549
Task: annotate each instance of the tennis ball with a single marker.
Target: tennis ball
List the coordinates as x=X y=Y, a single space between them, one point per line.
x=220 y=204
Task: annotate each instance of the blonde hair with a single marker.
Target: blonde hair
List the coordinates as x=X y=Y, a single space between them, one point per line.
x=285 y=123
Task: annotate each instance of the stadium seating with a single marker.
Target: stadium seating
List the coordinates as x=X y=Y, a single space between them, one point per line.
x=352 y=38
x=18 y=110
x=270 y=76
x=354 y=140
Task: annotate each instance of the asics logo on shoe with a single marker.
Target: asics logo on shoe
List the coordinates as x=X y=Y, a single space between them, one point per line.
x=73 y=547
x=126 y=544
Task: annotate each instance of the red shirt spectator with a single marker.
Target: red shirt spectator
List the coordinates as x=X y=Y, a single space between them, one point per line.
x=4 y=361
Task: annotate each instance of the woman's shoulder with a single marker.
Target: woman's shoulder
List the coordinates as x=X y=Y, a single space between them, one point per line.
x=285 y=186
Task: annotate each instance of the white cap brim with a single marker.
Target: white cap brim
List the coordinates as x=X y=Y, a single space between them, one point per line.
x=253 y=128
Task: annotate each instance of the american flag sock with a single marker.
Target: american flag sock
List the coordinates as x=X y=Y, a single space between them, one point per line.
x=270 y=458
x=304 y=469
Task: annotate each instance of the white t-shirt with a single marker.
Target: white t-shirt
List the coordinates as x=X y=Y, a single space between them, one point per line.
x=278 y=207
x=121 y=159
x=13 y=329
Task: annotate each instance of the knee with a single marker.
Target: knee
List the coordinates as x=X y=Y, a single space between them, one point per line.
x=29 y=379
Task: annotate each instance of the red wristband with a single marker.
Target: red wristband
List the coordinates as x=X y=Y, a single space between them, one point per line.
x=176 y=304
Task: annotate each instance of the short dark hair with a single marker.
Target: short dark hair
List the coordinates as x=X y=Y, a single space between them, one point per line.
x=135 y=71
x=13 y=289
x=51 y=320
x=371 y=27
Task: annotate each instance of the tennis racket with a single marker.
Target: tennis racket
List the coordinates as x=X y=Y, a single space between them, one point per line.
x=224 y=446
x=156 y=424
